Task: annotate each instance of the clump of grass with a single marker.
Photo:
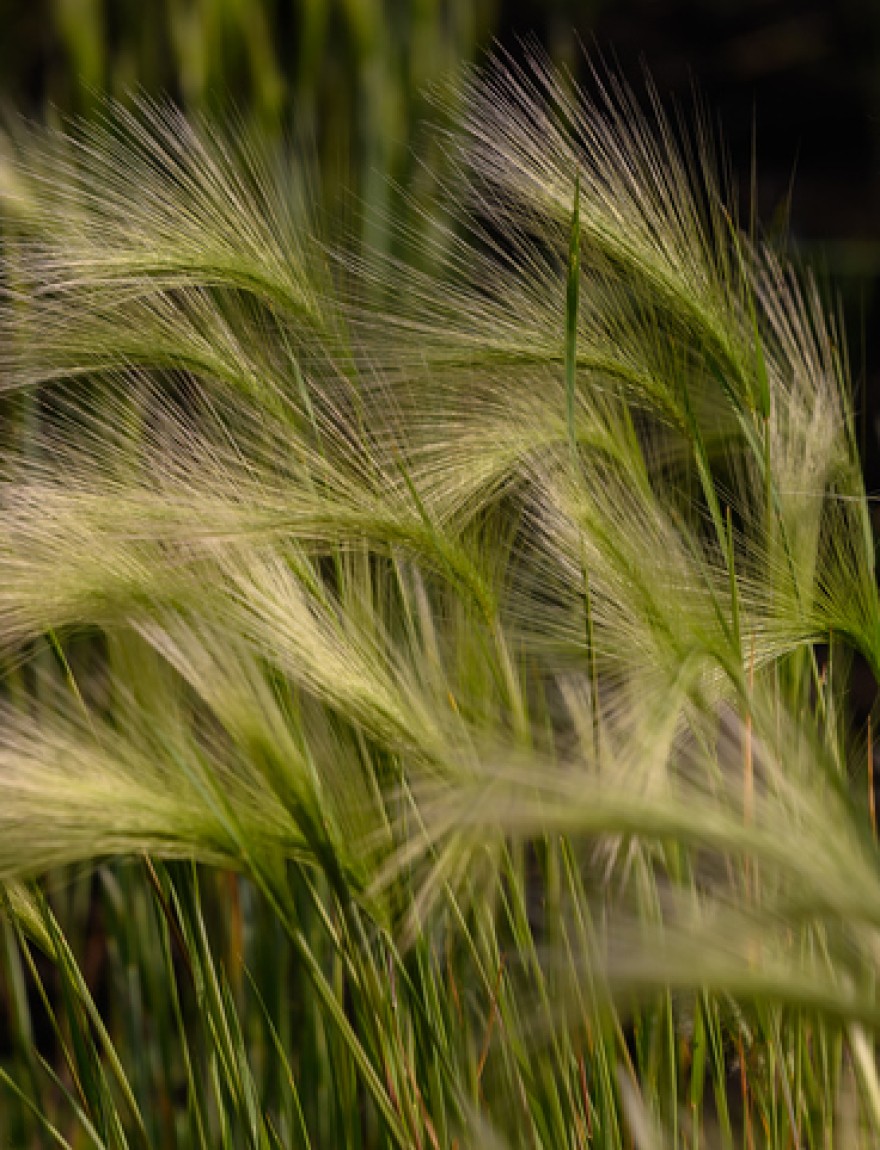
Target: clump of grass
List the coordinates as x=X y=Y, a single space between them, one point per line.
x=428 y=698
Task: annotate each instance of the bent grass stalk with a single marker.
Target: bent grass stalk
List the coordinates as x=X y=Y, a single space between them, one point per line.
x=454 y=669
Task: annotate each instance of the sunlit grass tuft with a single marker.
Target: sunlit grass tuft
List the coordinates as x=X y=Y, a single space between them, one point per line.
x=433 y=715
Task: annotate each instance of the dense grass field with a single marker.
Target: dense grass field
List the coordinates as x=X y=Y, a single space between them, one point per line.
x=425 y=712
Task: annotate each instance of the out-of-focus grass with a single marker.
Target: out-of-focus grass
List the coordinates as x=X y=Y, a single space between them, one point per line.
x=345 y=78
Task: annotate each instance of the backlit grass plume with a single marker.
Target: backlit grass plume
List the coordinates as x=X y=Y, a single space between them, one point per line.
x=480 y=621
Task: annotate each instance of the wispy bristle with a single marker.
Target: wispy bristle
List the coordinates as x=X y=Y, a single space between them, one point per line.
x=408 y=595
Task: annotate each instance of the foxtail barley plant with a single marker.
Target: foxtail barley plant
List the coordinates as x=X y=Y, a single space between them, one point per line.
x=424 y=709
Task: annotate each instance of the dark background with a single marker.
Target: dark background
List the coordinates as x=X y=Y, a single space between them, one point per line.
x=797 y=82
